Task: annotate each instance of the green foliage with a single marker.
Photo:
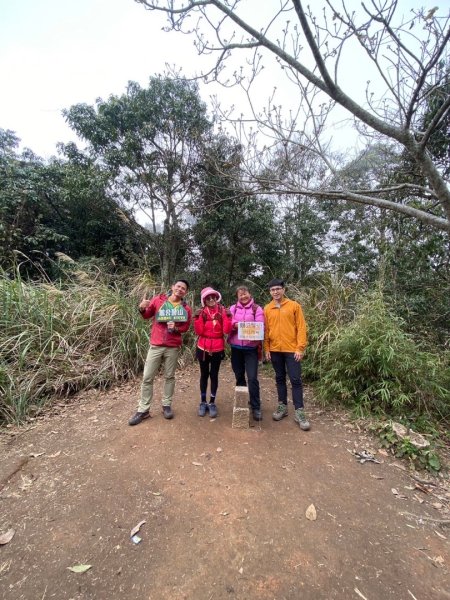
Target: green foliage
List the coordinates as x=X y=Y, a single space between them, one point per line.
x=329 y=305
x=56 y=339
x=436 y=97
x=302 y=227
x=420 y=458
x=91 y=218
x=233 y=230
x=372 y=364
x=410 y=257
x=60 y=206
x=25 y=209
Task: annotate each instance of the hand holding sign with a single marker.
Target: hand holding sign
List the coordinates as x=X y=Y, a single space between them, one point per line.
x=251 y=330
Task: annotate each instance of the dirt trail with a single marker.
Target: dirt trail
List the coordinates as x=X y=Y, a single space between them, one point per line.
x=224 y=508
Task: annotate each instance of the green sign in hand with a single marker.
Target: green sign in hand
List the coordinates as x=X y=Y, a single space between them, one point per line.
x=170 y=312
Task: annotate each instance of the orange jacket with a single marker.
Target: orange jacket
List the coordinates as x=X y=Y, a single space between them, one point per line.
x=285 y=329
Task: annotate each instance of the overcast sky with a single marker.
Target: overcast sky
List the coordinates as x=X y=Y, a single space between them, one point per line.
x=55 y=53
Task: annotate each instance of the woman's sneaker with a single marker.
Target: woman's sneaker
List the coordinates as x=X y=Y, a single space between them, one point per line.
x=257 y=414
x=300 y=418
x=202 y=409
x=281 y=412
x=212 y=410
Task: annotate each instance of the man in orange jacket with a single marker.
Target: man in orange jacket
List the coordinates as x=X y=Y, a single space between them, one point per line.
x=285 y=341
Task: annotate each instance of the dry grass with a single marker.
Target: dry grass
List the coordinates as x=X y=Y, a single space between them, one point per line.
x=56 y=339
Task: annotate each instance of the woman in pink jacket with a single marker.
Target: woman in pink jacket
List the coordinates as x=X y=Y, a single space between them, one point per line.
x=212 y=322
x=244 y=353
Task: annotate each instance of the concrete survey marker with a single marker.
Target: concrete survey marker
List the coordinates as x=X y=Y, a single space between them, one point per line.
x=241 y=411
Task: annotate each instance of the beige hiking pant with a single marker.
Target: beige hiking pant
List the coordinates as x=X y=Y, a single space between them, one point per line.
x=155 y=356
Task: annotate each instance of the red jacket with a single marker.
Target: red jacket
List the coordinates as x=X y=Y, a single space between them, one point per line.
x=211 y=324
x=159 y=334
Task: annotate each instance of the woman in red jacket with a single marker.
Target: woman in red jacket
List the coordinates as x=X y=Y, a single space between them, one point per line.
x=212 y=322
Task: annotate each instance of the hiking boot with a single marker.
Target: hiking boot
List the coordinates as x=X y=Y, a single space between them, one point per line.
x=300 y=418
x=139 y=417
x=167 y=412
x=212 y=410
x=202 y=409
x=257 y=414
x=281 y=412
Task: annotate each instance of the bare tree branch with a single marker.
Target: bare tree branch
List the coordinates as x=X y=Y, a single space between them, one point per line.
x=407 y=55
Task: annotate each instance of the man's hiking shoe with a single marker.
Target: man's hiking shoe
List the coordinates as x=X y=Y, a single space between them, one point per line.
x=167 y=412
x=202 y=409
x=257 y=414
x=281 y=412
x=300 y=418
x=139 y=417
x=212 y=410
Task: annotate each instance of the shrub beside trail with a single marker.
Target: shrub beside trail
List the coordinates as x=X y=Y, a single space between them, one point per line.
x=372 y=365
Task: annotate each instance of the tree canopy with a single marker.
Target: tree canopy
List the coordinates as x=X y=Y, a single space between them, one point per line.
x=151 y=139
x=62 y=205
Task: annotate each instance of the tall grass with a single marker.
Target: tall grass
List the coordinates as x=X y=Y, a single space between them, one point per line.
x=329 y=305
x=57 y=338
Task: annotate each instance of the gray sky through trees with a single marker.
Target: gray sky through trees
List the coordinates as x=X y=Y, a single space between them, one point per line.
x=55 y=53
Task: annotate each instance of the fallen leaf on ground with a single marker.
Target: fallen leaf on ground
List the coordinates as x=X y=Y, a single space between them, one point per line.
x=6 y=537
x=311 y=513
x=219 y=450
x=80 y=568
x=4 y=567
x=197 y=464
x=26 y=482
x=55 y=455
x=383 y=452
x=438 y=559
x=136 y=529
x=156 y=493
x=397 y=494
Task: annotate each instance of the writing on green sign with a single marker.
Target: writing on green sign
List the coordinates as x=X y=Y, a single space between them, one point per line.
x=169 y=312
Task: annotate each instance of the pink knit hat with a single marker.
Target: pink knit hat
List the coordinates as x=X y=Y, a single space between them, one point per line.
x=209 y=291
